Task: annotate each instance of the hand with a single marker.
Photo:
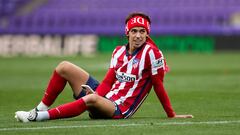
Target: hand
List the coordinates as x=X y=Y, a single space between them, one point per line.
x=87 y=89
x=183 y=116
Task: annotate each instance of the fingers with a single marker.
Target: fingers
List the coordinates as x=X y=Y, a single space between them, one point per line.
x=189 y=116
x=183 y=116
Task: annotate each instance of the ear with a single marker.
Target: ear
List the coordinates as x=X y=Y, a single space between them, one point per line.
x=127 y=36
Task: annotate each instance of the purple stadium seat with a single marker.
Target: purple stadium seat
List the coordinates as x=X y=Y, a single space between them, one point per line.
x=107 y=17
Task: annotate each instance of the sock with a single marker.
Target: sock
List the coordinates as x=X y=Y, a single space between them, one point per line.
x=42 y=107
x=71 y=109
x=55 y=87
x=42 y=115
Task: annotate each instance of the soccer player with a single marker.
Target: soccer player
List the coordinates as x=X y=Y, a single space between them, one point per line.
x=134 y=69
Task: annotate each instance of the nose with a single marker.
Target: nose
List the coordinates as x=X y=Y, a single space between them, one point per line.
x=138 y=34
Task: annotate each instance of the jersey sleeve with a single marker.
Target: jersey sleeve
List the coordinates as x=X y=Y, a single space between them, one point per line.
x=157 y=74
x=106 y=85
x=109 y=79
x=157 y=62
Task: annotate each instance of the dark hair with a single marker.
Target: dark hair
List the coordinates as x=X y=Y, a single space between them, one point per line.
x=131 y=15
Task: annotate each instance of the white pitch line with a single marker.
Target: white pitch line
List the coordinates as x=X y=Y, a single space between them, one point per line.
x=125 y=125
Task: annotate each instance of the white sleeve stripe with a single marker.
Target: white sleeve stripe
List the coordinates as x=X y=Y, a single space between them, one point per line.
x=114 y=58
x=152 y=59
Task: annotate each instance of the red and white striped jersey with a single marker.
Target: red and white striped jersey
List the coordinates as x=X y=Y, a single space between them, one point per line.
x=133 y=76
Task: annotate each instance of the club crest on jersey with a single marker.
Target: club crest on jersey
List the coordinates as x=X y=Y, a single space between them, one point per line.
x=158 y=63
x=124 y=77
x=135 y=63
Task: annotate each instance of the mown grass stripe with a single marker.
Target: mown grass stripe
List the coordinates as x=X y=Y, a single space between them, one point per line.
x=125 y=125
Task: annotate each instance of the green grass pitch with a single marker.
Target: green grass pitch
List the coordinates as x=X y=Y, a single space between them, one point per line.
x=205 y=85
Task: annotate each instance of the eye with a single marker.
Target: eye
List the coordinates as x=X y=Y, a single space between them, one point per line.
x=133 y=30
x=142 y=31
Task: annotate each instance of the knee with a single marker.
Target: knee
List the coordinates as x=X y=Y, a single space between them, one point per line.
x=63 y=67
x=91 y=100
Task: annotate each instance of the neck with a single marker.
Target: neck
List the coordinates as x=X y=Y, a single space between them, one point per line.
x=131 y=49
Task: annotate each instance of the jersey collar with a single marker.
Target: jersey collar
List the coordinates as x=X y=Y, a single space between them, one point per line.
x=135 y=51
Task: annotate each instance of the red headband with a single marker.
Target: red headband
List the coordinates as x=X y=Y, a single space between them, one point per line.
x=137 y=21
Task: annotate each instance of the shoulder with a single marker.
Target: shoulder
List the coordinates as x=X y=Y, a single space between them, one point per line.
x=154 y=51
x=119 y=47
x=118 y=50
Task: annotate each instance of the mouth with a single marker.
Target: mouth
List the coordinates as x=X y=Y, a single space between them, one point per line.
x=137 y=42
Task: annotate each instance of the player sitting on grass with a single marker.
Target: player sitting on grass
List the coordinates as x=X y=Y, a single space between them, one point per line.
x=134 y=69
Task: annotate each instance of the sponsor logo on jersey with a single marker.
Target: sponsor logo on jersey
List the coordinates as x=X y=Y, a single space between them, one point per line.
x=158 y=63
x=124 y=77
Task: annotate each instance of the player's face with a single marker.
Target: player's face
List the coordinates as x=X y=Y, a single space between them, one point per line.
x=136 y=37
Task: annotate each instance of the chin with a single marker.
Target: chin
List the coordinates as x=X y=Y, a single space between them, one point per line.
x=138 y=45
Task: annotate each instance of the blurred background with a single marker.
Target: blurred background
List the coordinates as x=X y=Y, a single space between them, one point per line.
x=200 y=40
x=85 y=27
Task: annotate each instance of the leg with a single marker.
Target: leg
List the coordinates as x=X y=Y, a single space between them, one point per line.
x=100 y=106
x=75 y=75
x=93 y=102
x=64 y=72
